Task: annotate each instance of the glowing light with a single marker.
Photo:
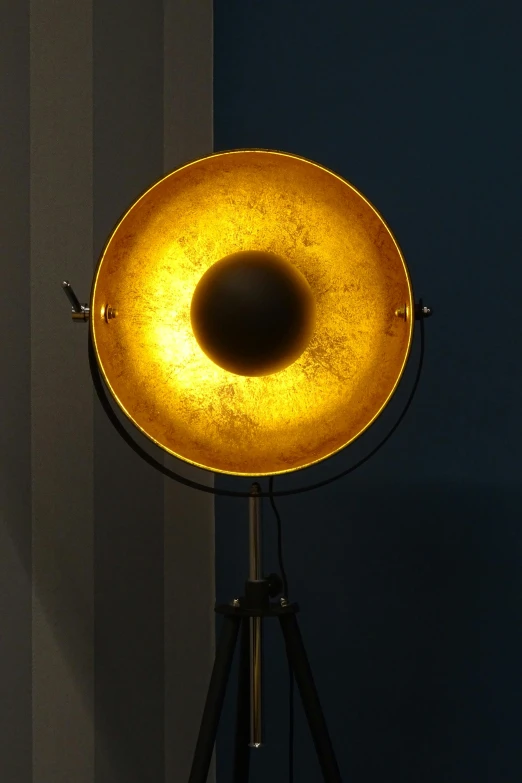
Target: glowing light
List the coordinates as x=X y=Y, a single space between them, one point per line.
x=252 y=200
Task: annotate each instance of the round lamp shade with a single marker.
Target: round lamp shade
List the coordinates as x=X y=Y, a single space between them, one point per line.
x=252 y=313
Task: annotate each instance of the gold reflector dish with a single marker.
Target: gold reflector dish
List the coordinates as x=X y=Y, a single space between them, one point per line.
x=325 y=276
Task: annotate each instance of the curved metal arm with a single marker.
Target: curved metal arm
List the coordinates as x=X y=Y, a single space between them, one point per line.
x=159 y=466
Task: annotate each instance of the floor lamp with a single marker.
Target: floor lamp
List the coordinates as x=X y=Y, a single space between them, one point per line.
x=251 y=314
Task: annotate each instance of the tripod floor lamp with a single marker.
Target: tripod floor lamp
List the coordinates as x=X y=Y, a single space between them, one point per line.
x=251 y=314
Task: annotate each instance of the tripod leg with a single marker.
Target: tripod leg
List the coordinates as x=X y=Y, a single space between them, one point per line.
x=215 y=699
x=242 y=750
x=305 y=682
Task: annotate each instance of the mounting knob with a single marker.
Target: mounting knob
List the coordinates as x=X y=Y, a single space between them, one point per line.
x=79 y=312
x=421 y=311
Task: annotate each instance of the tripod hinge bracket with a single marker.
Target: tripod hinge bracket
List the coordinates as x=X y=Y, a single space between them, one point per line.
x=273 y=610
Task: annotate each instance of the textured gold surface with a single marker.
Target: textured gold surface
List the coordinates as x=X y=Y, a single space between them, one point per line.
x=210 y=208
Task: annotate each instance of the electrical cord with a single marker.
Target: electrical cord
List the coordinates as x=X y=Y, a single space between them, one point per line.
x=279 y=537
x=150 y=460
x=286 y=595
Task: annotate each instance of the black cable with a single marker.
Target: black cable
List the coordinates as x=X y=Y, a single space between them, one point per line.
x=150 y=460
x=279 y=537
x=286 y=595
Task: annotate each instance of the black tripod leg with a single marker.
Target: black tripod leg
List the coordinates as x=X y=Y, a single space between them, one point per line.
x=215 y=699
x=305 y=682
x=242 y=749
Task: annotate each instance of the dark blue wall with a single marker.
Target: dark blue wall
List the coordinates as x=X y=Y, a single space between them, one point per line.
x=408 y=572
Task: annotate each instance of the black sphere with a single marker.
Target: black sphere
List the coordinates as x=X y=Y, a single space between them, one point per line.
x=252 y=313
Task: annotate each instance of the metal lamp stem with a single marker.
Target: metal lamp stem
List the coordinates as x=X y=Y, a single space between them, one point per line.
x=255 y=574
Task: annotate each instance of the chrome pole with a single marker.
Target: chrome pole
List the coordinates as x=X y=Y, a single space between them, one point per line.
x=256 y=737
